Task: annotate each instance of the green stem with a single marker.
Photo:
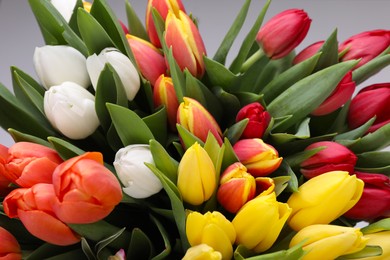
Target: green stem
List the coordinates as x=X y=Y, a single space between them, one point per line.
x=251 y=60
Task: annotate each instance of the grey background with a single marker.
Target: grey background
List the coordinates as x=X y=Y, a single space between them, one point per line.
x=19 y=33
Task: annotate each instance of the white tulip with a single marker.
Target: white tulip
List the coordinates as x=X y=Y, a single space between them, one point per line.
x=56 y=64
x=71 y=110
x=139 y=181
x=122 y=65
x=65 y=8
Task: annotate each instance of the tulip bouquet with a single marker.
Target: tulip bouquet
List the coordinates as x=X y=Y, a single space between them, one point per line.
x=133 y=143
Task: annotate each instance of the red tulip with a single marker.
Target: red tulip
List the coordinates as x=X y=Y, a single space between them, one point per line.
x=9 y=247
x=375 y=200
x=365 y=46
x=369 y=102
x=258 y=120
x=4 y=181
x=283 y=32
x=308 y=52
x=87 y=191
x=33 y=206
x=335 y=157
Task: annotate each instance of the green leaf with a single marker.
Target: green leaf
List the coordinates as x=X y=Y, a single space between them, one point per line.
x=73 y=23
x=281 y=183
x=234 y=132
x=373 y=159
x=302 y=133
x=357 y=132
x=367 y=251
x=372 y=141
x=370 y=68
x=165 y=235
x=218 y=74
x=187 y=138
x=157 y=124
x=382 y=170
x=163 y=161
x=106 y=241
x=285 y=170
x=177 y=76
x=135 y=25
x=381 y=225
x=296 y=159
x=50 y=251
x=293 y=253
x=229 y=156
x=248 y=81
x=230 y=103
x=22 y=137
x=141 y=247
x=215 y=152
x=87 y=249
x=329 y=50
x=65 y=150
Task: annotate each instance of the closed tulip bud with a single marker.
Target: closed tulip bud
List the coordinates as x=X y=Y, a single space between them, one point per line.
x=342 y=93
x=9 y=248
x=259 y=158
x=258 y=120
x=139 y=181
x=33 y=206
x=212 y=229
x=369 y=102
x=164 y=94
x=162 y=7
x=266 y=217
x=375 y=200
x=57 y=64
x=365 y=46
x=87 y=191
x=150 y=60
x=381 y=239
x=202 y=252
x=329 y=241
x=335 y=157
x=236 y=187
x=5 y=183
x=195 y=118
x=125 y=69
x=308 y=52
x=71 y=110
x=182 y=35
x=65 y=8
x=283 y=32
x=196 y=179
x=324 y=198
x=26 y=164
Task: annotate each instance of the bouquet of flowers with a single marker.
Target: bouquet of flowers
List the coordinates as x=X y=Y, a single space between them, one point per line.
x=135 y=144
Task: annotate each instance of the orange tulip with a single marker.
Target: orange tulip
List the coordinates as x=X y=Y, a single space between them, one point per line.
x=4 y=181
x=9 y=247
x=86 y=190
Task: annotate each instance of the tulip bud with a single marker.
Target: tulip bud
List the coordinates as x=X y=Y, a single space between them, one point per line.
x=120 y=255
x=340 y=95
x=4 y=180
x=236 y=187
x=65 y=8
x=162 y=7
x=196 y=119
x=196 y=179
x=381 y=239
x=182 y=35
x=266 y=217
x=57 y=64
x=212 y=229
x=164 y=94
x=87 y=6
x=259 y=158
x=330 y=240
x=283 y=32
x=126 y=71
x=71 y=110
x=139 y=181
x=369 y=102
x=308 y=52
x=200 y=252
x=335 y=157
x=258 y=120
x=9 y=248
x=150 y=60
x=324 y=198
x=365 y=46
x=375 y=200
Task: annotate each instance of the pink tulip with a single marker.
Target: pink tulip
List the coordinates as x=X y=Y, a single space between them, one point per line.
x=33 y=206
x=9 y=246
x=308 y=52
x=283 y=32
x=258 y=120
x=87 y=191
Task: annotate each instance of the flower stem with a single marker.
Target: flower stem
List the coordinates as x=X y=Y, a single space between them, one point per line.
x=251 y=60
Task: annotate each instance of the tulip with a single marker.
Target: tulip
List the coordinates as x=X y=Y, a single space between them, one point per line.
x=162 y=7
x=71 y=110
x=120 y=255
x=182 y=35
x=202 y=252
x=329 y=241
x=150 y=60
x=26 y=164
x=65 y=8
x=381 y=239
x=196 y=178
x=375 y=200
x=283 y=32
x=259 y=158
x=212 y=229
x=9 y=248
x=259 y=222
x=324 y=198
x=139 y=181
x=342 y=93
x=164 y=94
x=125 y=69
x=308 y=52
x=57 y=64
x=369 y=102
x=87 y=6
x=365 y=46
x=335 y=157
x=87 y=191
x=33 y=206
x=4 y=181
x=258 y=120
x=196 y=119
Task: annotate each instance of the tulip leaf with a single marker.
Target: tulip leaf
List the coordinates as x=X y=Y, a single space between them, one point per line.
x=177 y=76
x=165 y=236
x=230 y=103
x=73 y=23
x=65 y=150
x=372 y=141
x=281 y=183
x=157 y=124
x=247 y=98
x=378 y=226
x=329 y=50
x=285 y=170
x=383 y=170
x=29 y=80
x=303 y=132
x=219 y=75
x=248 y=81
x=163 y=161
x=215 y=152
x=356 y=133
x=370 y=68
x=46 y=251
x=106 y=241
x=297 y=158
x=234 y=132
x=22 y=137
x=373 y=159
x=135 y=25
x=339 y=120
x=367 y=251
x=293 y=253
x=187 y=138
x=141 y=247
x=87 y=249
x=229 y=156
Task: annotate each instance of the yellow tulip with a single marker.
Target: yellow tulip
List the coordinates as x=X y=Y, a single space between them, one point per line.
x=259 y=222
x=212 y=229
x=196 y=179
x=324 y=198
x=329 y=241
x=202 y=252
x=381 y=239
